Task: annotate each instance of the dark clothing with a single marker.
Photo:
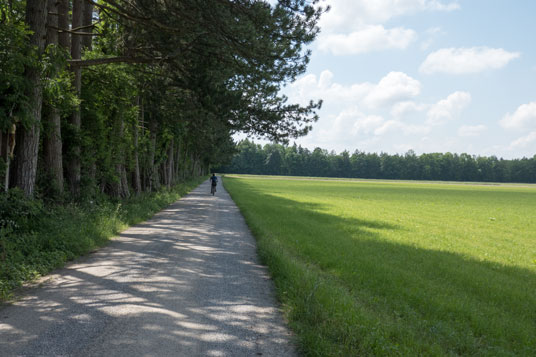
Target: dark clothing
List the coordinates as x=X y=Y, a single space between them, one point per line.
x=214 y=180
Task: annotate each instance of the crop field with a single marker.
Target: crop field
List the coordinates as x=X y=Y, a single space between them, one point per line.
x=398 y=268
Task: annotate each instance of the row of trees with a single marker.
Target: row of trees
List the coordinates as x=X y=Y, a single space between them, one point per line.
x=123 y=96
x=275 y=159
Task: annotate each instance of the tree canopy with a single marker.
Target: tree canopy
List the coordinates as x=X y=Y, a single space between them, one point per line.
x=117 y=96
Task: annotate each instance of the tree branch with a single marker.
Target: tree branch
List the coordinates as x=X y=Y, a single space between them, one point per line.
x=74 y=32
x=109 y=60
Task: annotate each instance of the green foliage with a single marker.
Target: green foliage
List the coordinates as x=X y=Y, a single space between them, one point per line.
x=297 y=161
x=108 y=106
x=57 y=80
x=34 y=240
x=165 y=85
x=397 y=268
x=15 y=54
x=230 y=58
x=17 y=212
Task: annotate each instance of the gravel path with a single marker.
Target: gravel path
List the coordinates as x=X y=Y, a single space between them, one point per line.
x=185 y=283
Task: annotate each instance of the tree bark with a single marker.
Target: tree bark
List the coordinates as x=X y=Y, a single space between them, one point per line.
x=74 y=165
x=125 y=190
x=63 y=23
x=52 y=145
x=177 y=162
x=194 y=165
x=26 y=151
x=122 y=189
x=87 y=20
x=137 y=178
x=163 y=169
x=184 y=164
x=152 y=169
x=170 y=165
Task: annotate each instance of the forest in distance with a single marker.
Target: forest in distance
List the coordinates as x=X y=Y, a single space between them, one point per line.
x=294 y=160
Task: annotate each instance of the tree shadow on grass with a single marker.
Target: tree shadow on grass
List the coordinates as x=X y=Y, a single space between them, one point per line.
x=419 y=297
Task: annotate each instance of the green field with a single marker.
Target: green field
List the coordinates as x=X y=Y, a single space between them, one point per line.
x=398 y=268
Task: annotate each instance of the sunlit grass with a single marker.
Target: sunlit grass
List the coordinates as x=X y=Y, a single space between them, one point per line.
x=399 y=268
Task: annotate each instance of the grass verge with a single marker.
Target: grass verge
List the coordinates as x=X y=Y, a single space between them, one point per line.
x=380 y=268
x=35 y=239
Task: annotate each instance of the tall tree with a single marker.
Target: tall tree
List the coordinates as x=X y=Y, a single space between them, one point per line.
x=26 y=150
x=52 y=143
x=75 y=120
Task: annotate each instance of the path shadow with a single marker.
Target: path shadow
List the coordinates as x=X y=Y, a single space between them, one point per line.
x=186 y=282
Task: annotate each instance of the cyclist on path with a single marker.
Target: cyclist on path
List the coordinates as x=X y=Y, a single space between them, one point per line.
x=214 y=182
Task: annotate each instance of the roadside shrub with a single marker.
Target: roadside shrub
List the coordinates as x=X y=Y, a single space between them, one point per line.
x=17 y=212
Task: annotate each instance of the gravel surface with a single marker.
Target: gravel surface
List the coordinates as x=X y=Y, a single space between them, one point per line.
x=185 y=283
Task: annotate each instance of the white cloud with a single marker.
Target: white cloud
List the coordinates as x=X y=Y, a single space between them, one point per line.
x=524 y=141
x=471 y=130
x=430 y=36
x=325 y=80
x=368 y=39
x=388 y=126
x=449 y=108
x=367 y=124
x=352 y=126
x=349 y=122
x=322 y=87
x=347 y=15
x=523 y=118
x=401 y=127
x=405 y=108
x=355 y=26
x=466 y=60
x=394 y=87
x=346 y=127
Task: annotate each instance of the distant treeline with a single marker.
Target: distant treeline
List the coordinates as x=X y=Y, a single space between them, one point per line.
x=275 y=159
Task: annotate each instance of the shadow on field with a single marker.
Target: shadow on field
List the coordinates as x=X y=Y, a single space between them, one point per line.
x=428 y=297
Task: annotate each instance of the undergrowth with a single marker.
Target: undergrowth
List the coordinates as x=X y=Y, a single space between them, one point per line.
x=36 y=238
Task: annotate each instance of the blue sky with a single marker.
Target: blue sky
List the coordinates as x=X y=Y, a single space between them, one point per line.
x=425 y=75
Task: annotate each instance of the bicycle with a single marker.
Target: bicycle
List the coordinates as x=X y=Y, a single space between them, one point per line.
x=213 y=183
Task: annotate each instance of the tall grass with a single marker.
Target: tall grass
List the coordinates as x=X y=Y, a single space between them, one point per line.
x=372 y=268
x=35 y=240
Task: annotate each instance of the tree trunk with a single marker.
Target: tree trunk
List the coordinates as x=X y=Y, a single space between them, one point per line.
x=177 y=162
x=152 y=169
x=125 y=190
x=194 y=166
x=7 y=146
x=184 y=164
x=74 y=166
x=87 y=20
x=121 y=189
x=164 y=171
x=170 y=165
x=26 y=151
x=52 y=145
x=63 y=23
x=137 y=178
x=3 y=156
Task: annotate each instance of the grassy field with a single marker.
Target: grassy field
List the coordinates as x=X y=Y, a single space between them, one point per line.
x=398 y=268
